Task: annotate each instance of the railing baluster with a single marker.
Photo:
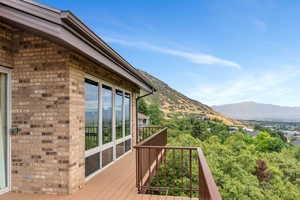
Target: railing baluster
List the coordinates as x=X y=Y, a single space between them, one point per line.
x=166 y=168
x=181 y=161
x=191 y=186
x=138 y=168
x=157 y=154
x=173 y=165
x=149 y=167
x=199 y=180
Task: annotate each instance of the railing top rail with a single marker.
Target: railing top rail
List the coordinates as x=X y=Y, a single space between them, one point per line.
x=210 y=183
x=167 y=147
x=151 y=137
x=151 y=127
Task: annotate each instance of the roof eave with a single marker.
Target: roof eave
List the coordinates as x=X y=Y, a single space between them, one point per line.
x=65 y=27
x=77 y=24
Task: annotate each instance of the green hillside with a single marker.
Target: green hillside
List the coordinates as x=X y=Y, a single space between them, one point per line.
x=172 y=101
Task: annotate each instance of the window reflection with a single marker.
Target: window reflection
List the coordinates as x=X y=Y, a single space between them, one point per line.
x=127 y=114
x=106 y=114
x=111 y=104
x=119 y=114
x=91 y=114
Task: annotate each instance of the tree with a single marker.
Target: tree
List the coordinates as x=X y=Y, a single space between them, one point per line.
x=240 y=170
x=261 y=171
x=142 y=107
x=155 y=114
x=266 y=143
x=200 y=130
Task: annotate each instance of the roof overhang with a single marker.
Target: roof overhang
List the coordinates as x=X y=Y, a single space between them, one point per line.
x=67 y=29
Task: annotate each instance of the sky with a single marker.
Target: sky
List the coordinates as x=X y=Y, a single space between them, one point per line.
x=214 y=51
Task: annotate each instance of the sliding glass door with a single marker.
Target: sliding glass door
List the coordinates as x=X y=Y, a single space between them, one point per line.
x=4 y=142
x=108 y=124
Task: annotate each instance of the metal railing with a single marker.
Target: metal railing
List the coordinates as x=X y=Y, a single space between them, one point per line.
x=91 y=136
x=175 y=171
x=146 y=131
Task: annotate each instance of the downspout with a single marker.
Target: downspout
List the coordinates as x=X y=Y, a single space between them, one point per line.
x=136 y=113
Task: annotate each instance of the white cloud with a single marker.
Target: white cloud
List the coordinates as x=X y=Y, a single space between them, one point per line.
x=269 y=87
x=198 y=58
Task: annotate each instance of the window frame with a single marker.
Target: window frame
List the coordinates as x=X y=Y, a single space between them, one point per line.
x=102 y=147
x=123 y=113
x=94 y=150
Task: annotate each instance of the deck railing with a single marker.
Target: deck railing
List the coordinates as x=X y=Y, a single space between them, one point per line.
x=146 y=131
x=175 y=171
x=91 y=136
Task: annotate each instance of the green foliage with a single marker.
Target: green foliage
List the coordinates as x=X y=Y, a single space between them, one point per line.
x=266 y=143
x=277 y=134
x=297 y=153
x=155 y=114
x=200 y=130
x=152 y=110
x=234 y=162
x=142 y=107
x=244 y=167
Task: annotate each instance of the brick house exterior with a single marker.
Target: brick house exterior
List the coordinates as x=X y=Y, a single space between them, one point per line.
x=47 y=144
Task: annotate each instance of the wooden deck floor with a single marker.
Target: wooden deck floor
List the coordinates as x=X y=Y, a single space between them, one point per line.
x=117 y=182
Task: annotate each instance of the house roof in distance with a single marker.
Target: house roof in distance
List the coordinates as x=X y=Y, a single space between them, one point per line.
x=64 y=27
x=142 y=116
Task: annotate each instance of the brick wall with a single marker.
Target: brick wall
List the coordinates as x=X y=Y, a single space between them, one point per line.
x=79 y=67
x=6 y=44
x=48 y=107
x=40 y=108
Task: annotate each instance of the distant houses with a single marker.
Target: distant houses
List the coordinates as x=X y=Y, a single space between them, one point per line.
x=143 y=120
x=233 y=128
x=296 y=142
x=250 y=131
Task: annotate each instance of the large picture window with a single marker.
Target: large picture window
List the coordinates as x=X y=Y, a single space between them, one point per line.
x=127 y=114
x=107 y=113
x=91 y=114
x=107 y=124
x=119 y=114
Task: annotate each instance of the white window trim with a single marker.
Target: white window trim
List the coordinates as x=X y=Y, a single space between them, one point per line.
x=92 y=151
x=8 y=116
x=123 y=139
x=114 y=142
x=114 y=123
x=92 y=175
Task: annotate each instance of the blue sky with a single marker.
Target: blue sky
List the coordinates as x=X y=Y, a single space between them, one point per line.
x=214 y=51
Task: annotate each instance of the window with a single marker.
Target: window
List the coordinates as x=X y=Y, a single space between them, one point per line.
x=127 y=114
x=107 y=156
x=127 y=145
x=91 y=114
x=119 y=114
x=92 y=164
x=107 y=114
x=120 y=149
x=107 y=125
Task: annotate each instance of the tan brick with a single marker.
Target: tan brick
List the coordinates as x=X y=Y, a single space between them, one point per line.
x=48 y=107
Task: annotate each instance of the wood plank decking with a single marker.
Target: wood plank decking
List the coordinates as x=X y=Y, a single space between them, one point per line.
x=117 y=182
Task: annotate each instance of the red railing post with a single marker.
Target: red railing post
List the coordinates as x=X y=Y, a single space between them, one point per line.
x=209 y=189
x=191 y=184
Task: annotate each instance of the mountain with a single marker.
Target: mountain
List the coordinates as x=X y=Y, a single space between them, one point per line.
x=172 y=101
x=260 y=112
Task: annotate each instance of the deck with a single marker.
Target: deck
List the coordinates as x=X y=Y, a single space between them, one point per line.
x=118 y=181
